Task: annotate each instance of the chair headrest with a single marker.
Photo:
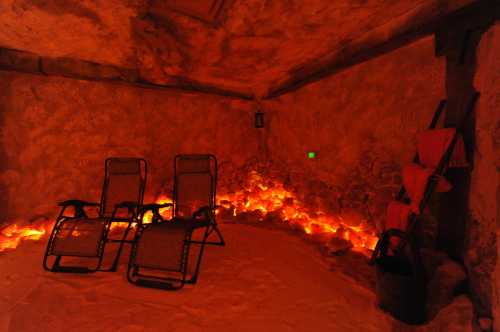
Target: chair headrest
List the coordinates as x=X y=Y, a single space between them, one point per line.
x=123 y=166
x=193 y=164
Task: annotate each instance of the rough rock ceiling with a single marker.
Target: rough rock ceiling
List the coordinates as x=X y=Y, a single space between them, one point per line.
x=253 y=47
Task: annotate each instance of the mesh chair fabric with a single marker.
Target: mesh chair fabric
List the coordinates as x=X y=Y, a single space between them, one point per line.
x=124 y=166
x=79 y=237
x=193 y=191
x=193 y=164
x=162 y=246
x=120 y=188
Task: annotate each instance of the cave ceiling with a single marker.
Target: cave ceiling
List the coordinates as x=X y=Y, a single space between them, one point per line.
x=241 y=45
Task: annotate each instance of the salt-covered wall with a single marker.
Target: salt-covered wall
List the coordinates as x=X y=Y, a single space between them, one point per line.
x=482 y=256
x=361 y=123
x=57 y=132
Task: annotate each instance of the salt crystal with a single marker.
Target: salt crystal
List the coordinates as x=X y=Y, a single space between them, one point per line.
x=485 y=324
x=338 y=246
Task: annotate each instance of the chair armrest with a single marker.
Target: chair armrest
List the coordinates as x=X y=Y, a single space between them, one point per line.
x=204 y=210
x=133 y=208
x=79 y=205
x=155 y=206
x=77 y=202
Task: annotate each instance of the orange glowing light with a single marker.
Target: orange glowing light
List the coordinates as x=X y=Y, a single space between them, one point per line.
x=263 y=197
x=12 y=235
x=269 y=197
x=165 y=212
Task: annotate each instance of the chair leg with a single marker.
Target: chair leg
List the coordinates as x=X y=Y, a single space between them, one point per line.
x=56 y=265
x=221 y=241
x=134 y=277
x=46 y=267
x=116 y=260
x=194 y=277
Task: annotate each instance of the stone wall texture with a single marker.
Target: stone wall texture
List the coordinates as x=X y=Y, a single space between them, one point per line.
x=482 y=255
x=361 y=123
x=57 y=132
x=257 y=44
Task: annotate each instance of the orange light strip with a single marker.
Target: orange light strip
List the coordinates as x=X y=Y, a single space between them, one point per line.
x=258 y=195
x=12 y=235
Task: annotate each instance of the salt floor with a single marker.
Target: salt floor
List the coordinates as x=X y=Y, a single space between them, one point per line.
x=263 y=280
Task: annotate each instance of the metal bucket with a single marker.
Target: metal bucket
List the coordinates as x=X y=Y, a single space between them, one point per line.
x=401 y=285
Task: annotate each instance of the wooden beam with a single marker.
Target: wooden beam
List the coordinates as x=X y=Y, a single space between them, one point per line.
x=27 y=62
x=422 y=21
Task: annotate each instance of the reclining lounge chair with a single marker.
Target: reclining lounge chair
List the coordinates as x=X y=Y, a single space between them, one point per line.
x=78 y=235
x=160 y=252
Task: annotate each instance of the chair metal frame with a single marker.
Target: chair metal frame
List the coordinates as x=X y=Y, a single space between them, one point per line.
x=175 y=211
x=79 y=208
x=134 y=275
x=203 y=217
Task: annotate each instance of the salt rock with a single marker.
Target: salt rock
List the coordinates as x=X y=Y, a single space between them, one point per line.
x=337 y=246
x=352 y=217
x=431 y=259
x=448 y=276
x=226 y=214
x=273 y=216
x=297 y=224
x=485 y=324
x=251 y=217
x=456 y=317
x=321 y=237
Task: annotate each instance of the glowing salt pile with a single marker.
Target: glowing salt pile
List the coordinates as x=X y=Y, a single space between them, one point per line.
x=12 y=235
x=269 y=198
x=259 y=200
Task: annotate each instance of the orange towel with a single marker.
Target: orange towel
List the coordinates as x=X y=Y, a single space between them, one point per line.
x=415 y=179
x=432 y=145
x=397 y=215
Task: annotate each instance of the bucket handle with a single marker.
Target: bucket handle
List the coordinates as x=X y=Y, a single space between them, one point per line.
x=405 y=237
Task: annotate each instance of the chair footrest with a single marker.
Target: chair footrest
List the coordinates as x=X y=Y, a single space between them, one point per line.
x=72 y=269
x=156 y=284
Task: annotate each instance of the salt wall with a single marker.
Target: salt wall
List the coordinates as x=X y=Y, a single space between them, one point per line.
x=361 y=123
x=482 y=257
x=57 y=132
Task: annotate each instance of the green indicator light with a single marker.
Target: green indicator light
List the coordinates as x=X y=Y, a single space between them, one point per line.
x=311 y=155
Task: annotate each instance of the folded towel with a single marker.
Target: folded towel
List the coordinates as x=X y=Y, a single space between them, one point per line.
x=415 y=179
x=432 y=145
x=397 y=215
